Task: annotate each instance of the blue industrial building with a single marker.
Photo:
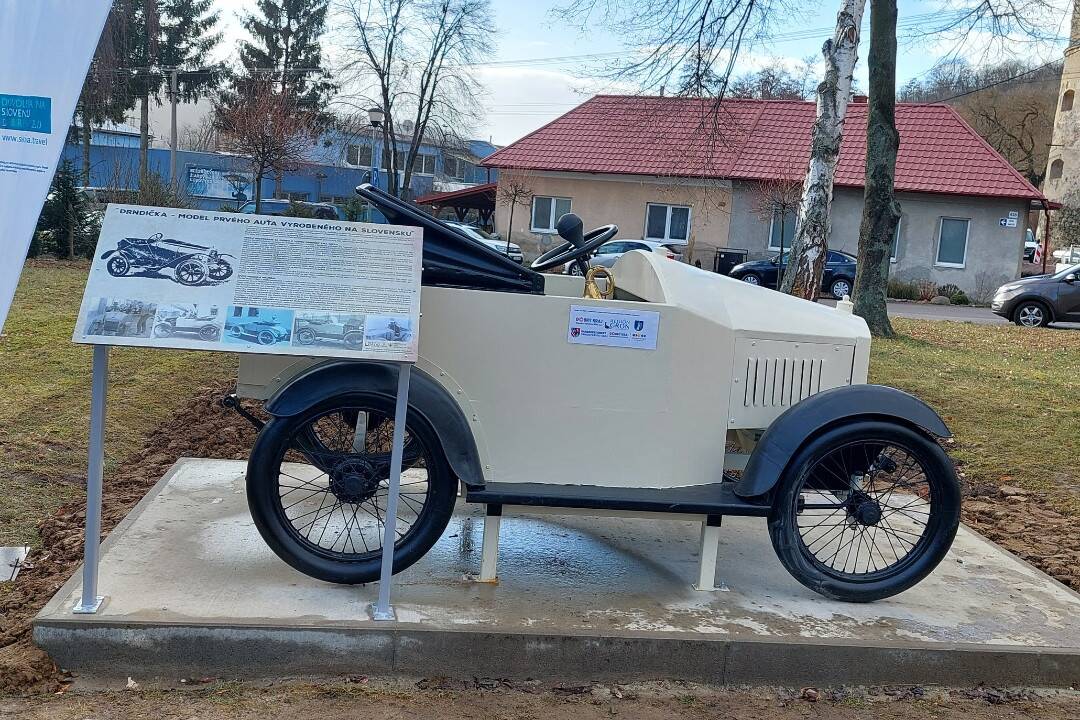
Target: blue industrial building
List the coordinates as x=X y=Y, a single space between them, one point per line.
x=335 y=165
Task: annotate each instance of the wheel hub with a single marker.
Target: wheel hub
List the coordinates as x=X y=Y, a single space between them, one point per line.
x=354 y=480
x=866 y=512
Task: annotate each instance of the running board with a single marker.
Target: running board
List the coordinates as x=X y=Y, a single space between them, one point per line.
x=711 y=499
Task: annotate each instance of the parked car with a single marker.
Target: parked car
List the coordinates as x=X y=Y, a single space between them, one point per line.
x=490 y=240
x=837 y=279
x=264 y=332
x=609 y=252
x=1030 y=246
x=322 y=211
x=1040 y=300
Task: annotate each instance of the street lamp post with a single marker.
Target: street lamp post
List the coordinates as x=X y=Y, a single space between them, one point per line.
x=319 y=178
x=376 y=117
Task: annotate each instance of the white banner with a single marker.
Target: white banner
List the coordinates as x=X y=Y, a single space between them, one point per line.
x=45 y=50
x=203 y=280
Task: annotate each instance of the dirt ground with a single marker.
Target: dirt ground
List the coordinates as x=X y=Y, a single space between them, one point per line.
x=1020 y=520
x=497 y=700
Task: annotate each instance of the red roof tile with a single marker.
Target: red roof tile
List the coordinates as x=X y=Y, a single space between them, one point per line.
x=758 y=139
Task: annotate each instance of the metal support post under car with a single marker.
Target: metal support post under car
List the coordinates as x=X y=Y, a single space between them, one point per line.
x=382 y=610
x=90 y=601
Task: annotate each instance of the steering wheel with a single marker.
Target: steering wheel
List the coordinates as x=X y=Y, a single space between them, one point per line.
x=578 y=245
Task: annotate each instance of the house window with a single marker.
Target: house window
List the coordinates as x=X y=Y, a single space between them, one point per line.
x=952 y=242
x=782 y=222
x=895 y=241
x=1056 y=168
x=546 y=212
x=358 y=155
x=422 y=164
x=667 y=222
x=1067 y=101
x=455 y=167
x=296 y=196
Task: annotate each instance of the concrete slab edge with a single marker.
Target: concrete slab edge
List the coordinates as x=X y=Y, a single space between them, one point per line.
x=175 y=651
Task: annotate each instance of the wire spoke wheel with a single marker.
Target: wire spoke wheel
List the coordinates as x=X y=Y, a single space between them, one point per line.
x=334 y=485
x=319 y=488
x=866 y=510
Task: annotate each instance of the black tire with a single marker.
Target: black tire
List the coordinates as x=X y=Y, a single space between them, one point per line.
x=163 y=330
x=277 y=442
x=839 y=288
x=354 y=340
x=1031 y=313
x=265 y=337
x=190 y=272
x=220 y=271
x=118 y=266
x=750 y=278
x=209 y=333
x=853 y=450
x=305 y=336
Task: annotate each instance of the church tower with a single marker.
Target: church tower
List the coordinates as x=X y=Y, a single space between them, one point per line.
x=1062 y=181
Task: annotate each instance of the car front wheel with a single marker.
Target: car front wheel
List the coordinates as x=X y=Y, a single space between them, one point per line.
x=840 y=288
x=1031 y=314
x=751 y=279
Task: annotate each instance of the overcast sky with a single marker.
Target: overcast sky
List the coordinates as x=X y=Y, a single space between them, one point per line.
x=525 y=87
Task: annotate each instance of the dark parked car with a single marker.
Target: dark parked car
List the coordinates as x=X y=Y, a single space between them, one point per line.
x=322 y=211
x=837 y=280
x=1040 y=300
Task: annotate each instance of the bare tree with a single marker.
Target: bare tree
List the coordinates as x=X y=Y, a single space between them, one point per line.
x=201 y=135
x=270 y=130
x=515 y=188
x=778 y=196
x=811 y=243
x=411 y=59
x=775 y=82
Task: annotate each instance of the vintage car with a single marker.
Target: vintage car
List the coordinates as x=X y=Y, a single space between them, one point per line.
x=310 y=329
x=750 y=403
x=206 y=328
x=188 y=264
x=264 y=332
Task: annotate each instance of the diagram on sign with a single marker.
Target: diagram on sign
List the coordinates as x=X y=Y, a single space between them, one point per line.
x=157 y=257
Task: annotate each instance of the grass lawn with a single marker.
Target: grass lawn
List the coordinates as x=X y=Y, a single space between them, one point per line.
x=45 y=381
x=1011 y=396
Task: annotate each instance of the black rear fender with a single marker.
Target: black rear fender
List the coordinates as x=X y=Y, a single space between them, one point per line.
x=426 y=397
x=783 y=438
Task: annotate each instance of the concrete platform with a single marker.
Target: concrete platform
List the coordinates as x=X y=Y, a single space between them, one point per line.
x=192 y=591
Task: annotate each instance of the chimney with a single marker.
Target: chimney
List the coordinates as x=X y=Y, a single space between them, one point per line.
x=859 y=99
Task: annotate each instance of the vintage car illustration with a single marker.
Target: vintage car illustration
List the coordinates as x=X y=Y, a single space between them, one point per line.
x=349 y=331
x=188 y=264
x=742 y=402
x=264 y=332
x=206 y=328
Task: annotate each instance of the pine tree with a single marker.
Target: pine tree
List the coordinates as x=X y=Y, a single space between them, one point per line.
x=285 y=47
x=170 y=34
x=66 y=227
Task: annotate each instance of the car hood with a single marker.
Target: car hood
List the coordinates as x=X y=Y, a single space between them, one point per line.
x=752 y=265
x=501 y=246
x=1026 y=282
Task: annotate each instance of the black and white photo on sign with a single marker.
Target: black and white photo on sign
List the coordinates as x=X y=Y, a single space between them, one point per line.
x=189 y=321
x=167 y=258
x=325 y=329
x=120 y=317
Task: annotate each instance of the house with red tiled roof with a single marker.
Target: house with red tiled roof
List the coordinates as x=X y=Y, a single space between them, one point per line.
x=692 y=171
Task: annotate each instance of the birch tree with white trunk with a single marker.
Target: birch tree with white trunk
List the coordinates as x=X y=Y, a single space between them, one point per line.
x=813 y=225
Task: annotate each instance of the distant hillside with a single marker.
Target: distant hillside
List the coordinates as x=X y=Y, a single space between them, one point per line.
x=1011 y=105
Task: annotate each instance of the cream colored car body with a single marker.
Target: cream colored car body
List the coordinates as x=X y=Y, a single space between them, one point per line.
x=730 y=357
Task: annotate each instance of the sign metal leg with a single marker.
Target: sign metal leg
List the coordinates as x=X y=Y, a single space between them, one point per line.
x=710 y=546
x=90 y=601
x=382 y=610
x=489 y=555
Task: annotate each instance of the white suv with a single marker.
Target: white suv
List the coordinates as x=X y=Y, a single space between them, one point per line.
x=499 y=246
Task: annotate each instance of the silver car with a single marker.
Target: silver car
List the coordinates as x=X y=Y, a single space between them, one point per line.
x=499 y=246
x=609 y=252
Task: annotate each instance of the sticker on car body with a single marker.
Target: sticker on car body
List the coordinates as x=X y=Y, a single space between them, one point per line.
x=613 y=327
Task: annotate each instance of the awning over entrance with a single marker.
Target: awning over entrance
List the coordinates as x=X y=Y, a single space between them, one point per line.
x=480 y=198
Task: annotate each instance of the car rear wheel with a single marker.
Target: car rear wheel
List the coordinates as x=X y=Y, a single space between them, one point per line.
x=1031 y=314
x=751 y=279
x=318 y=486
x=840 y=288
x=865 y=510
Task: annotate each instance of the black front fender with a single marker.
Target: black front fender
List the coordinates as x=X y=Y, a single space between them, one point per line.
x=426 y=396
x=802 y=421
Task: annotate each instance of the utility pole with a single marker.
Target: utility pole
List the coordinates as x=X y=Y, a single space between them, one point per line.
x=173 y=98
